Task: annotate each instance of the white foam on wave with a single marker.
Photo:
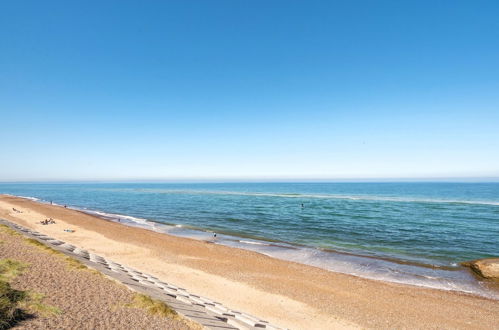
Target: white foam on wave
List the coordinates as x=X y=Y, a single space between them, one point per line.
x=115 y=216
x=327 y=196
x=26 y=197
x=112 y=216
x=253 y=242
x=381 y=270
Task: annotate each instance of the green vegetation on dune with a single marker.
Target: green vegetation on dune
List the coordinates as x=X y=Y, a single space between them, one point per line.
x=34 y=303
x=10 y=269
x=41 y=246
x=10 y=299
x=7 y=230
x=153 y=306
x=71 y=262
x=14 y=303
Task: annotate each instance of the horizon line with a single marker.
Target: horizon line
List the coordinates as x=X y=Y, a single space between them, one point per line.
x=491 y=179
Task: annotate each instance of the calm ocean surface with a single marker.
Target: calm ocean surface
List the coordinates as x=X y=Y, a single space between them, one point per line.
x=414 y=233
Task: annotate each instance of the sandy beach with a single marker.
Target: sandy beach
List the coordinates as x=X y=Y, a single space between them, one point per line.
x=288 y=294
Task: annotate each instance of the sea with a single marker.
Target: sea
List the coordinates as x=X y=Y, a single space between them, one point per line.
x=415 y=233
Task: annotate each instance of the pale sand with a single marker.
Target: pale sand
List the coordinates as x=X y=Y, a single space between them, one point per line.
x=285 y=293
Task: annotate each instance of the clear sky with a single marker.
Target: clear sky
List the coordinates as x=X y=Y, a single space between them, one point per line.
x=106 y=90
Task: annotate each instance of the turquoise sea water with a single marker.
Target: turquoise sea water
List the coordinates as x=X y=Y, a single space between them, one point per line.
x=404 y=232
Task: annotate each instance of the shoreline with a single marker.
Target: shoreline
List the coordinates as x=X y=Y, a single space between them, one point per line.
x=406 y=272
x=287 y=293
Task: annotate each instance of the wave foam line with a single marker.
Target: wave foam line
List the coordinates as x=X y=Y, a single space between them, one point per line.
x=329 y=196
x=116 y=216
x=34 y=199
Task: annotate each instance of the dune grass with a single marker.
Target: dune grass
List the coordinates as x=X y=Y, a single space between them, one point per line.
x=71 y=262
x=14 y=303
x=152 y=306
x=42 y=246
x=10 y=269
x=10 y=300
x=34 y=303
x=7 y=230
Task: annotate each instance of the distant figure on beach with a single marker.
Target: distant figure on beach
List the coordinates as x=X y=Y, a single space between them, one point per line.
x=214 y=236
x=50 y=202
x=65 y=206
x=47 y=221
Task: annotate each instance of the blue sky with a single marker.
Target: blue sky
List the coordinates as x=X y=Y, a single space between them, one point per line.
x=110 y=90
